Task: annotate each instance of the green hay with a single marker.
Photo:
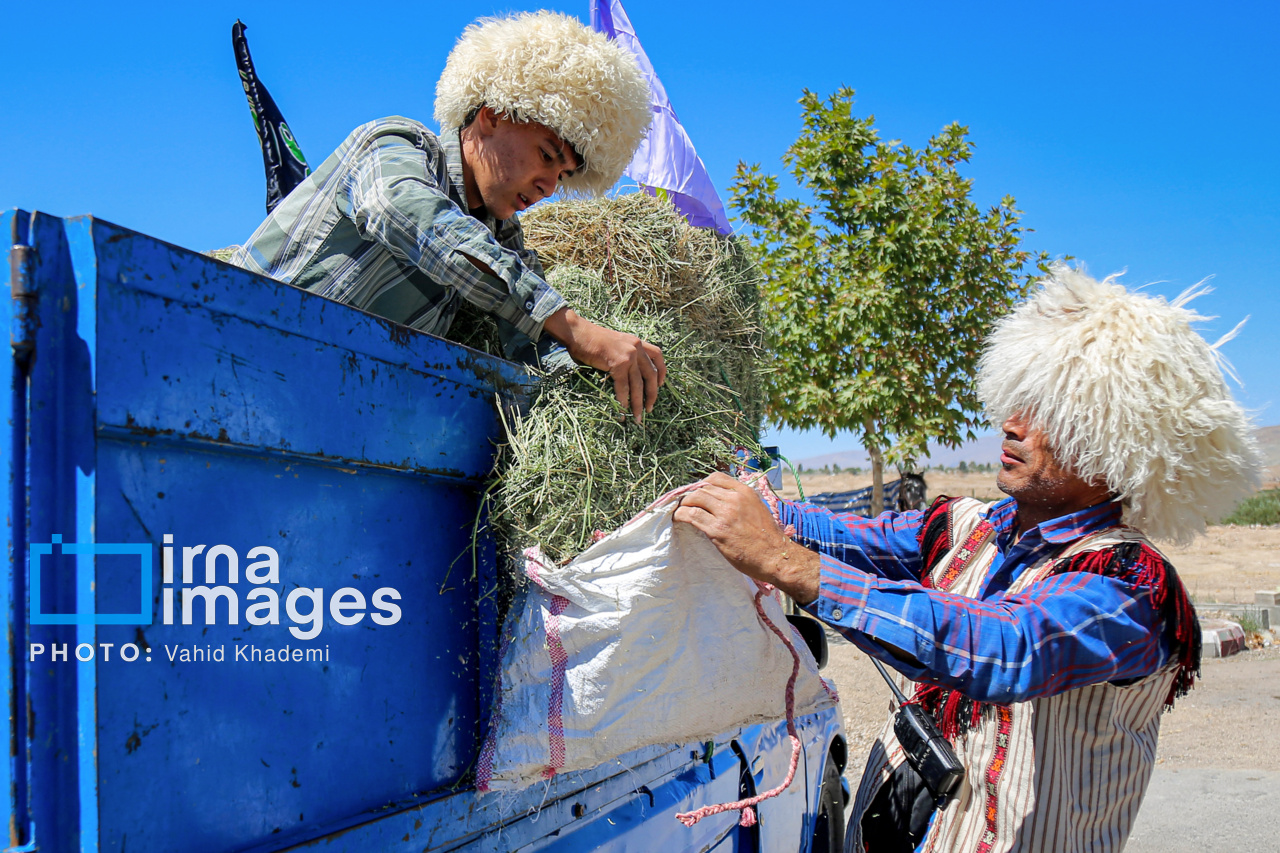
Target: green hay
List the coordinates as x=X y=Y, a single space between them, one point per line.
x=574 y=464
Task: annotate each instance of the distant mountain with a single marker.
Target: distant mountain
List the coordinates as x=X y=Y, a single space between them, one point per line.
x=986 y=448
x=843 y=459
x=1268 y=440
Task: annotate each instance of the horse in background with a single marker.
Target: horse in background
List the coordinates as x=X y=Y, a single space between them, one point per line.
x=912 y=492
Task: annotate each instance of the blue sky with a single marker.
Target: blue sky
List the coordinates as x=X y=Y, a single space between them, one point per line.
x=1138 y=136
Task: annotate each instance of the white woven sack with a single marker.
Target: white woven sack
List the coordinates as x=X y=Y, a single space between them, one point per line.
x=649 y=637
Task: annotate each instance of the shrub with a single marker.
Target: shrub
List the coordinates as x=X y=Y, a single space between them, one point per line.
x=1262 y=508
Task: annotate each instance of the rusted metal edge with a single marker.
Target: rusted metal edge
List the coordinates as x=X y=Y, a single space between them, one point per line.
x=22 y=329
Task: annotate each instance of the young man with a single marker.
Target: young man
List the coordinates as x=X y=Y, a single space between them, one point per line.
x=403 y=223
x=1044 y=635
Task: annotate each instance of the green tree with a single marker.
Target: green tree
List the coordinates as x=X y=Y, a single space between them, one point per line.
x=878 y=294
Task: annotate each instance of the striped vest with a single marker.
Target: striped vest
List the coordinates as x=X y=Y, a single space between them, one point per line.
x=1058 y=774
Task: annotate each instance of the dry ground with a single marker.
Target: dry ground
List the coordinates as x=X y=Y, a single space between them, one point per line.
x=1228 y=564
x=1236 y=705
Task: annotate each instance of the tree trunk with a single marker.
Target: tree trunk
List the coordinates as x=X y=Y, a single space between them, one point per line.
x=877 y=481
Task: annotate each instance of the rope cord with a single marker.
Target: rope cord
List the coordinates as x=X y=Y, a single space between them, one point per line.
x=747 y=806
x=794 y=473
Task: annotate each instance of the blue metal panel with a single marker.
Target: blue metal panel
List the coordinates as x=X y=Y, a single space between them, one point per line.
x=243 y=749
x=60 y=467
x=175 y=401
x=782 y=817
x=204 y=351
x=234 y=410
x=821 y=734
x=174 y=395
x=84 y=282
x=645 y=820
x=555 y=811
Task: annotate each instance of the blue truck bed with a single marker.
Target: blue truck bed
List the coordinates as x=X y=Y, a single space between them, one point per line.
x=245 y=611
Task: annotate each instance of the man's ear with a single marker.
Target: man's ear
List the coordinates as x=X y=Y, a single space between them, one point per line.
x=486 y=121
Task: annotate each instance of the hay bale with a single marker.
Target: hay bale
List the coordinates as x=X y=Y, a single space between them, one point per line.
x=573 y=464
x=650 y=256
x=223 y=255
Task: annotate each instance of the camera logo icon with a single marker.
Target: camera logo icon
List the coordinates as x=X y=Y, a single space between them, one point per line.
x=84 y=554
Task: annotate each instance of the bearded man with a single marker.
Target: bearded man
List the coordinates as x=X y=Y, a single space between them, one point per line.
x=404 y=223
x=1044 y=633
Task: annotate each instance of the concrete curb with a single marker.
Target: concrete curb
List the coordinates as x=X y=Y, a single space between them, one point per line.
x=1221 y=638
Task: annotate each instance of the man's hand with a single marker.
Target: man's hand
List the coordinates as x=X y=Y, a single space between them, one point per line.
x=738 y=523
x=635 y=365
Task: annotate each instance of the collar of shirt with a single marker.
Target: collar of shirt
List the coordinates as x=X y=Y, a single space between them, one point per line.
x=1045 y=537
x=451 y=145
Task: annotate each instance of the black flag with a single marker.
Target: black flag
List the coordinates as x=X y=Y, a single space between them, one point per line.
x=286 y=167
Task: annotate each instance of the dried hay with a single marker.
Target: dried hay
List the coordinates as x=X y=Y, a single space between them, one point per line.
x=573 y=464
x=223 y=255
x=650 y=256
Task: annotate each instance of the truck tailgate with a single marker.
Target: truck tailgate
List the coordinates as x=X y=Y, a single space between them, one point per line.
x=174 y=401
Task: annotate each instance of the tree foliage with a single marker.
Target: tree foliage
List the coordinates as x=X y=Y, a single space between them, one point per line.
x=878 y=294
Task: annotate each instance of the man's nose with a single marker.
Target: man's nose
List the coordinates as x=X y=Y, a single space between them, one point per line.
x=546 y=182
x=1015 y=427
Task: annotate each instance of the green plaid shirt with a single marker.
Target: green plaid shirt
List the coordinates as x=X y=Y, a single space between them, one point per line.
x=383 y=224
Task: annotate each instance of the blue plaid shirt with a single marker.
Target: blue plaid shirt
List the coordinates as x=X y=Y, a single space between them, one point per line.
x=1067 y=631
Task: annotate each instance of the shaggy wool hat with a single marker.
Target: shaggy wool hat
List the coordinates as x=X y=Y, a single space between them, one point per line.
x=1126 y=391
x=548 y=68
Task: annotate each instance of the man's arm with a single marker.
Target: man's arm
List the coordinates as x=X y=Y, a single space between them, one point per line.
x=1068 y=631
x=391 y=198
x=887 y=545
x=732 y=515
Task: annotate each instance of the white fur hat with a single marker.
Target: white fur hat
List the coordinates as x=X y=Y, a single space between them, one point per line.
x=1127 y=391
x=549 y=68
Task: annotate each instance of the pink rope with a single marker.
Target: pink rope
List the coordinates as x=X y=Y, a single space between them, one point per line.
x=771 y=500
x=747 y=806
x=760 y=482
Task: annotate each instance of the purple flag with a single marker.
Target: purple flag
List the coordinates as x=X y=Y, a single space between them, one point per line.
x=665 y=162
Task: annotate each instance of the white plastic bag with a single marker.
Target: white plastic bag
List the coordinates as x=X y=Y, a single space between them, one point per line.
x=648 y=637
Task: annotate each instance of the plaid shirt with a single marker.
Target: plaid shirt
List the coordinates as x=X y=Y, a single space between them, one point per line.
x=383 y=225
x=1069 y=630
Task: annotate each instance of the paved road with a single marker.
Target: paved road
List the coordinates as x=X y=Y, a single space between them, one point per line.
x=1207 y=810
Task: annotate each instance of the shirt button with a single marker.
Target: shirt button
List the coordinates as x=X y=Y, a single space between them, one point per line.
x=837 y=613
x=528 y=306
